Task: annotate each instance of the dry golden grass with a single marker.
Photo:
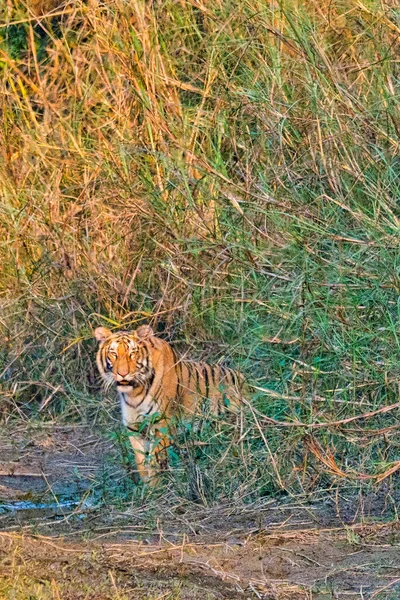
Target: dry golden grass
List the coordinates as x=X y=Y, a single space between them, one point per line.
x=227 y=171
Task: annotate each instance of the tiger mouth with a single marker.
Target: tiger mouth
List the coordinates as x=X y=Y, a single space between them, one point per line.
x=137 y=380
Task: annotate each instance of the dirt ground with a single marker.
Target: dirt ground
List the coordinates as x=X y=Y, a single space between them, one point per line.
x=59 y=538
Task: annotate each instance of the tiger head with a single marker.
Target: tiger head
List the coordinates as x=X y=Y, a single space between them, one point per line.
x=126 y=358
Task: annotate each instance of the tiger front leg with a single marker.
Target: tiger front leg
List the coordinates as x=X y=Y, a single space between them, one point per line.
x=162 y=440
x=144 y=463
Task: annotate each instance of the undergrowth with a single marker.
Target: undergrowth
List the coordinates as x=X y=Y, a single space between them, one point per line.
x=228 y=172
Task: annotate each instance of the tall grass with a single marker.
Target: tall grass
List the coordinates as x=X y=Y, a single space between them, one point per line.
x=229 y=172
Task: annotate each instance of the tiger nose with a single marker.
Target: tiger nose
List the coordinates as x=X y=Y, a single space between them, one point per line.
x=122 y=373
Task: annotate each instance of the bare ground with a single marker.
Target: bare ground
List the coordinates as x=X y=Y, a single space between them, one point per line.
x=60 y=539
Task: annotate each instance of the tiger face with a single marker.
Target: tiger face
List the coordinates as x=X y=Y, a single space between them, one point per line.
x=123 y=358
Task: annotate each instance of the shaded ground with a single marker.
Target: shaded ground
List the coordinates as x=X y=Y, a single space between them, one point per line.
x=60 y=539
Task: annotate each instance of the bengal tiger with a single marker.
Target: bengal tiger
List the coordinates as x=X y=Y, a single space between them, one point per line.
x=155 y=384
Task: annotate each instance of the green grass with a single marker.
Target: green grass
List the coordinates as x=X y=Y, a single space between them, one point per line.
x=228 y=172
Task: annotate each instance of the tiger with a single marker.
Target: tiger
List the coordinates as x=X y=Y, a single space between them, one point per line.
x=154 y=384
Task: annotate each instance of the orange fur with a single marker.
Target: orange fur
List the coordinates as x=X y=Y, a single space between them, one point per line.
x=154 y=384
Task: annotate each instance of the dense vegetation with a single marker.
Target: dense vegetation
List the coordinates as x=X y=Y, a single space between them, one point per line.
x=228 y=172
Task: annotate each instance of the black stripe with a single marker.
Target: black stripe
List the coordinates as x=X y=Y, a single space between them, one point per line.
x=197 y=378
x=177 y=364
x=189 y=368
x=176 y=387
x=223 y=374
x=205 y=372
x=129 y=404
x=149 y=382
x=155 y=395
x=179 y=367
x=212 y=375
x=104 y=352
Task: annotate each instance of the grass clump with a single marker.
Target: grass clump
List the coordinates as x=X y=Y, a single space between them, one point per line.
x=230 y=173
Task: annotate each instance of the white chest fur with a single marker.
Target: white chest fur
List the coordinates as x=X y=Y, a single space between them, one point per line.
x=135 y=412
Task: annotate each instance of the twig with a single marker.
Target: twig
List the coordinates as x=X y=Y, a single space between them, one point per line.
x=367 y=415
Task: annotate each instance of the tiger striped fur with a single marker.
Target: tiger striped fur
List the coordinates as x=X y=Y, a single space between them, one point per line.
x=151 y=379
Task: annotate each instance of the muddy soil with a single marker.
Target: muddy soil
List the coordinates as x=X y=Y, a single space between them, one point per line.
x=59 y=538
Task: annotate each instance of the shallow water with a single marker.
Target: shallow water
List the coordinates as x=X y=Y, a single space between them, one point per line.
x=11 y=507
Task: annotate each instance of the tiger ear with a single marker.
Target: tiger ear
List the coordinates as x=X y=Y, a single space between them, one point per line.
x=144 y=331
x=102 y=333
